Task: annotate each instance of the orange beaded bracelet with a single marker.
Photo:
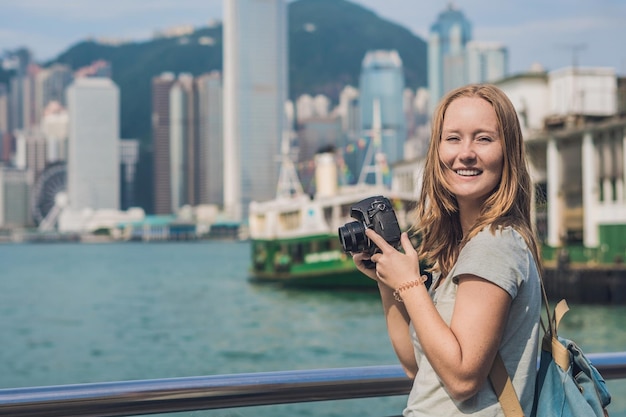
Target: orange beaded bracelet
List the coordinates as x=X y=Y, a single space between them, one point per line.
x=406 y=286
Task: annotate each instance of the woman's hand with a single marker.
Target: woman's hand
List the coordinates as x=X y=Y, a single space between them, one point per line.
x=359 y=260
x=394 y=268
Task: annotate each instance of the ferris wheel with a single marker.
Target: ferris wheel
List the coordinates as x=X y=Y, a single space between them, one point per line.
x=49 y=195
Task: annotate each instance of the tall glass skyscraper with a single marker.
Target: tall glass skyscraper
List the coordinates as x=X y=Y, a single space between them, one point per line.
x=382 y=80
x=255 y=91
x=446 y=53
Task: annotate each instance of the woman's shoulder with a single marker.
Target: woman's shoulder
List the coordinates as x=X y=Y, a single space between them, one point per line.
x=499 y=235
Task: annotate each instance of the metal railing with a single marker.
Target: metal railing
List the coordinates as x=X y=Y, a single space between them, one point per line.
x=128 y=398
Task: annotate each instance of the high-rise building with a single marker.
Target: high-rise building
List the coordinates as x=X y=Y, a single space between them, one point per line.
x=54 y=126
x=18 y=60
x=211 y=147
x=50 y=85
x=161 y=142
x=4 y=115
x=486 y=62
x=446 y=53
x=382 y=81
x=93 y=167
x=14 y=197
x=129 y=156
x=255 y=90
x=183 y=141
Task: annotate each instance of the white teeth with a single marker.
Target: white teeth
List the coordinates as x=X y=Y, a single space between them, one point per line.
x=467 y=172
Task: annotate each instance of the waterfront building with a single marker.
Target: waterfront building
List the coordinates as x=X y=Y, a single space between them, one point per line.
x=93 y=168
x=577 y=153
x=129 y=156
x=382 y=81
x=255 y=90
x=211 y=146
x=30 y=154
x=14 y=197
x=528 y=91
x=486 y=61
x=161 y=142
x=447 y=40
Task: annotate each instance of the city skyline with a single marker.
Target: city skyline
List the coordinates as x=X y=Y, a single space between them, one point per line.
x=586 y=33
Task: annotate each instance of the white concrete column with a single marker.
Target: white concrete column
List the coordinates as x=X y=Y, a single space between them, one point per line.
x=590 y=199
x=555 y=203
x=622 y=177
x=606 y=155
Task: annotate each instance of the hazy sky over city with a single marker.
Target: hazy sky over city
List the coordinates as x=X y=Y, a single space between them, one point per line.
x=552 y=33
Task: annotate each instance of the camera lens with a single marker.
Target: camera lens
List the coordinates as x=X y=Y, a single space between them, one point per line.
x=352 y=237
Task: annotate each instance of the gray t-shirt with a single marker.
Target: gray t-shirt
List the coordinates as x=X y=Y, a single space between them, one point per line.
x=504 y=259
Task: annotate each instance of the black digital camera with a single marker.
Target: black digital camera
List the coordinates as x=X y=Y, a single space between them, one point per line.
x=372 y=213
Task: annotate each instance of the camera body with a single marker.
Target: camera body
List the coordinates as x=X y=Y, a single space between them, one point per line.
x=372 y=213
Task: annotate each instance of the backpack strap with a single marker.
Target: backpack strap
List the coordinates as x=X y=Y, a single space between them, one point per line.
x=503 y=387
x=560 y=354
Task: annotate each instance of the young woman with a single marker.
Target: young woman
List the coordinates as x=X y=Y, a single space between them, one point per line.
x=475 y=231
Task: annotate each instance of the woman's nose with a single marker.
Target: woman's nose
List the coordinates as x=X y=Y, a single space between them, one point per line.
x=467 y=152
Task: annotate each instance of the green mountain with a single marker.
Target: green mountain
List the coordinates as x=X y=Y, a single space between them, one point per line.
x=327 y=42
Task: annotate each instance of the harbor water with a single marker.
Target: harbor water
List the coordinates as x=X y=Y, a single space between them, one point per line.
x=78 y=313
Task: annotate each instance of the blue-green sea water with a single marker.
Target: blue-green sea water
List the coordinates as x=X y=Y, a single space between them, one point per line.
x=76 y=313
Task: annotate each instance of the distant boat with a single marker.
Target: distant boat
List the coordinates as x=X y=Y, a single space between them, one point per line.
x=295 y=237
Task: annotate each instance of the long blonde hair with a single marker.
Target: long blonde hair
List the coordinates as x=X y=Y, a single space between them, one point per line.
x=438 y=224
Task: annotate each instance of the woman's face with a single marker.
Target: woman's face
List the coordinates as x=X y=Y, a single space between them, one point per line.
x=471 y=149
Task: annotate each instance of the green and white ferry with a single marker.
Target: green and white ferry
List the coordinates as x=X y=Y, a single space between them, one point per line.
x=295 y=238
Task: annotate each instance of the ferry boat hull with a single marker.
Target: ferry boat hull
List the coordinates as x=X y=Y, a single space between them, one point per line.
x=311 y=261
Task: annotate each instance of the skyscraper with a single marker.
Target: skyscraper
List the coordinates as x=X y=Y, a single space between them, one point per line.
x=255 y=90
x=211 y=148
x=382 y=80
x=161 y=142
x=50 y=85
x=129 y=156
x=93 y=166
x=486 y=62
x=183 y=141
x=446 y=53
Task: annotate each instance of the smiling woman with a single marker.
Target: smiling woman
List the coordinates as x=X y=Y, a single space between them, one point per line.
x=474 y=221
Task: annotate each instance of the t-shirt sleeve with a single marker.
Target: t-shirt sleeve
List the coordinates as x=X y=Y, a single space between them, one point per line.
x=500 y=257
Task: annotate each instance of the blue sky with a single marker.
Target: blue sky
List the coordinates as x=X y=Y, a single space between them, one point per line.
x=543 y=31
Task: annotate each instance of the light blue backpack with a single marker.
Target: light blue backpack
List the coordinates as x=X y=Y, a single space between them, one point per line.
x=567 y=385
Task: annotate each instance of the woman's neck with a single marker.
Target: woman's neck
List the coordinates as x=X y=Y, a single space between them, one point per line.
x=468 y=214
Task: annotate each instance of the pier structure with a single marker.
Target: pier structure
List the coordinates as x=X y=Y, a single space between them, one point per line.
x=581 y=168
x=574 y=125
